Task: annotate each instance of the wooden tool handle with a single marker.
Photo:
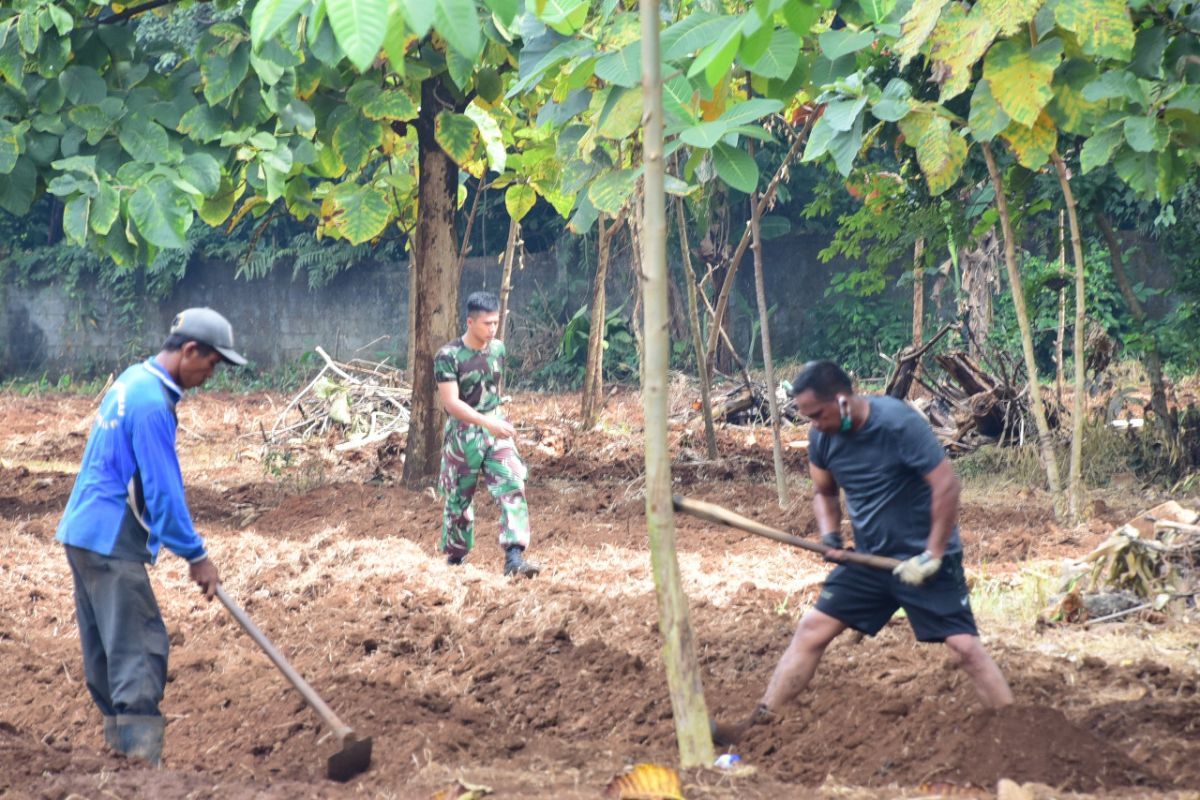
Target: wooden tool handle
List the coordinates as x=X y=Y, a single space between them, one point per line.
x=723 y=516
x=340 y=729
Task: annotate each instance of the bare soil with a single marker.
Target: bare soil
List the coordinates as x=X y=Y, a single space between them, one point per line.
x=550 y=687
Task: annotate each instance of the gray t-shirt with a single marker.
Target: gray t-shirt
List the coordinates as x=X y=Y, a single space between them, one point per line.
x=882 y=468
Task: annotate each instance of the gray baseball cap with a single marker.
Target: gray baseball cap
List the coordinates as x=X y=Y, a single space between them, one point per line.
x=207 y=326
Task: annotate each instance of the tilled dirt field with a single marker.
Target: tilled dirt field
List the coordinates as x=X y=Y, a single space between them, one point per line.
x=550 y=687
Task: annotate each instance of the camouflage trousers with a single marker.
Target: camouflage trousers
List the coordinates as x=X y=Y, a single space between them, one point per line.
x=468 y=452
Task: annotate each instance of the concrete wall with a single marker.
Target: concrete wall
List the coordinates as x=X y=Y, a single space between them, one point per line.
x=363 y=312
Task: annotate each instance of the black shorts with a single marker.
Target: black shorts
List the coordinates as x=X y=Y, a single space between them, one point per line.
x=865 y=598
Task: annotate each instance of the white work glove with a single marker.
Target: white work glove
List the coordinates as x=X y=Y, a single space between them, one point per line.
x=918 y=569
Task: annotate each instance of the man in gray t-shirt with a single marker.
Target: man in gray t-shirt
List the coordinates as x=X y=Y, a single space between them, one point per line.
x=902 y=495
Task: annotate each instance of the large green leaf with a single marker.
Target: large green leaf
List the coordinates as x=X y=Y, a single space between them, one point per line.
x=143 y=138
x=360 y=214
x=842 y=42
x=622 y=113
x=840 y=115
x=611 y=191
x=216 y=209
x=895 y=102
x=105 y=209
x=779 y=59
x=1010 y=15
x=359 y=26
x=222 y=73
x=161 y=213
x=16 y=191
x=915 y=28
x=458 y=23
x=1098 y=150
x=1103 y=27
x=736 y=167
x=1145 y=134
x=1139 y=170
x=624 y=67
x=271 y=15
x=519 y=199
x=489 y=131
x=1117 y=84
x=457 y=135
x=959 y=40
x=75 y=219
x=1069 y=109
x=987 y=117
x=692 y=33
x=83 y=85
x=202 y=171
x=715 y=59
x=390 y=104
x=845 y=146
x=418 y=14
x=1032 y=146
x=354 y=139
x=1021 y=77
x=205 y=123
x=940 y=150
x=877 y=10
x=10 y=147
x=564 y=16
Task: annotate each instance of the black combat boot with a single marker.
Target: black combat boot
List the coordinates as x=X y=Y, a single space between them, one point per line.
x=515 y=563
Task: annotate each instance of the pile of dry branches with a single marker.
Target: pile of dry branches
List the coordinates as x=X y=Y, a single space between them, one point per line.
x=362 y=403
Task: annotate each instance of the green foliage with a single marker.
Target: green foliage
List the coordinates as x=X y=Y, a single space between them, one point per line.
x=620 y=351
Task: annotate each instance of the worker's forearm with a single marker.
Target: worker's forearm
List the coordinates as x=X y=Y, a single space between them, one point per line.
x=943 y=513
x=828 y=511
x=462 y=412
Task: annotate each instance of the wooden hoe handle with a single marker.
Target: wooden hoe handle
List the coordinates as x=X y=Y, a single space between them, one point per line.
x=711 y=512
x=340 y=729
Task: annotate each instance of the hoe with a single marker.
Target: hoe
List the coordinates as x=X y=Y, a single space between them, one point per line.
x=355 y=754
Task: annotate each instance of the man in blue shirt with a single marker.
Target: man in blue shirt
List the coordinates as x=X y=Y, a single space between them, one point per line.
x=903 y=499
x=126 y=504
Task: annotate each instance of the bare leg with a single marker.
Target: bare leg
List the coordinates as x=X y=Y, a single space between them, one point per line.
x=985 y=675
x=799 y=662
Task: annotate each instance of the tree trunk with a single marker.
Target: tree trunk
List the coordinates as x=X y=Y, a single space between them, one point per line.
x=679 y=645
x=639 y=286
x=435 y=291
x=593 y=372
x=710 y=433
x=1059 y=357
x=1075 y=473
x=410 y=355
x=510 y=249
x=727 y=284
x=1018 y=293
x=760 y=293
x=918 y=319
x=1158 y=390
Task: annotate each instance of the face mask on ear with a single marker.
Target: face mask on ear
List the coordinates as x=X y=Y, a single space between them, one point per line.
x=844 y=407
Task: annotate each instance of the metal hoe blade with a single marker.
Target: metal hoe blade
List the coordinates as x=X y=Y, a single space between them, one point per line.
x=352 y=759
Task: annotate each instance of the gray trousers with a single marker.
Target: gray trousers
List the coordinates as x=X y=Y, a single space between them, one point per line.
x=122 y=633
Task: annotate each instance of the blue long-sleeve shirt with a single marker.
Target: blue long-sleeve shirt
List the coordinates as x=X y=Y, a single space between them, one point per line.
x=128 y=499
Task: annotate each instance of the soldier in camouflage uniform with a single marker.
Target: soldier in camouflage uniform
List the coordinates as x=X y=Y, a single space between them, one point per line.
x=478 y=440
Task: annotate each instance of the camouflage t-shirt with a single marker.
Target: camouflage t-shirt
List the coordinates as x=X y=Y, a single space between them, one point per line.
x=477 y=372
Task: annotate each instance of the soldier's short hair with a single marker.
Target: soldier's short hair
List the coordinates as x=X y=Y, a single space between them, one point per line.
x=824 y=379
x=482 y=303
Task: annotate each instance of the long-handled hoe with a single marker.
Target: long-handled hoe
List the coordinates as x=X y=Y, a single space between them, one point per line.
x=355 y=754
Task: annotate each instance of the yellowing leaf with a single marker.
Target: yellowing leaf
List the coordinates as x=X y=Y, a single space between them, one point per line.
x=1009 y=15
x=457 y=135
x=915 y=28
x=360 y=214
x=959 y=40
x=518 y=200
x=1102 y=26
x=1021 y=77
x=940 y=150
x=1032 y=146
x=1069 y=109
x=646 y=782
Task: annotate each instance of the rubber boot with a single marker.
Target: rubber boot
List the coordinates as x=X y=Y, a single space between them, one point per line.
x=110 y=732
x=455 y=559
x=141 y=736
x=515 y=563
